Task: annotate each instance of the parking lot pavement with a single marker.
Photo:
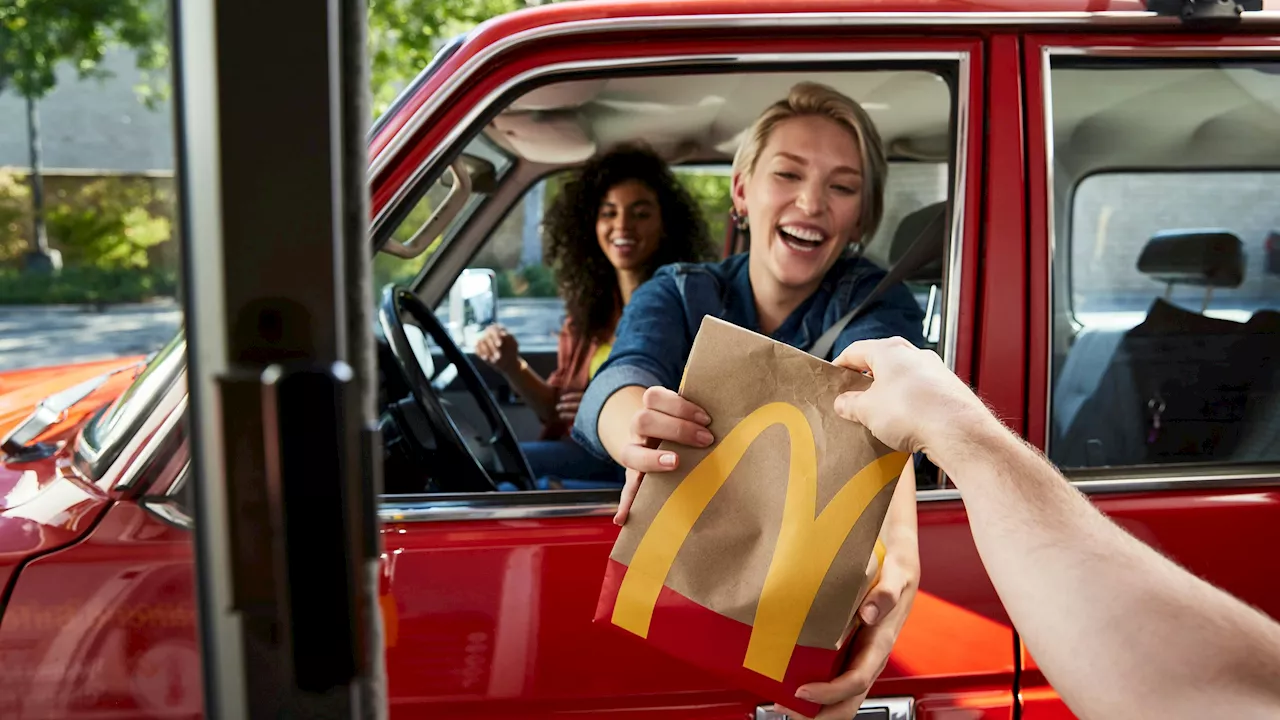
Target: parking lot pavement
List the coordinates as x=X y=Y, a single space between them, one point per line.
x=36 y=336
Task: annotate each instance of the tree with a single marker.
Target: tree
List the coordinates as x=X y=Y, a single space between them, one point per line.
x=405 y=34
x=36 y=36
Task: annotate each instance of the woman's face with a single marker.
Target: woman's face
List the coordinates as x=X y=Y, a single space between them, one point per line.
x=629 y=225
x=803 y=200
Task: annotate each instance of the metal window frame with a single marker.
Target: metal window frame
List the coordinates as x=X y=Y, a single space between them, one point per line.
x=1138 y=478
x=558 y=503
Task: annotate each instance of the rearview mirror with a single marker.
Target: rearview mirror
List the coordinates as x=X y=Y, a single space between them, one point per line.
x=473 y=305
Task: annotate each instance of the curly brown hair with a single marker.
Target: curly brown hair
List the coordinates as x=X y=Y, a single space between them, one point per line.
x=588 y=281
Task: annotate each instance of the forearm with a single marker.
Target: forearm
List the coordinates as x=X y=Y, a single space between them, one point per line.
x=614 y=426
x=535 y=391
x=1118 y=630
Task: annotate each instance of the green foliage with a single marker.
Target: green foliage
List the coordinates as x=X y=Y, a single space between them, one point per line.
x=712 y=191
x=104 y=222
x=405 y=34
x=532 y=281
x=109 y=223
x=15 y=215
x=38 y=35
x=78 y=284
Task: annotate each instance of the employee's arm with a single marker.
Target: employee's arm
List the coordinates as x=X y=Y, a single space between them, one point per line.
x=1118 y=629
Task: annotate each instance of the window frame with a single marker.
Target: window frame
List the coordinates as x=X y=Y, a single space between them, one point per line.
x=553 y=503
x=1041 y=53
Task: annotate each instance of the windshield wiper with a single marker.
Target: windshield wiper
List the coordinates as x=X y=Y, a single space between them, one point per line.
x=49 y=412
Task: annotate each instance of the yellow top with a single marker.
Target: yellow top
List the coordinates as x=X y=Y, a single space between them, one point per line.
x=602 y=354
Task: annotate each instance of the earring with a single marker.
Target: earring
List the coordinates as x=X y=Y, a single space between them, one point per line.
x=739 y=221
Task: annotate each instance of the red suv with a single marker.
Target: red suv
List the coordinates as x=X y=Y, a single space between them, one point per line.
x=1104 y=171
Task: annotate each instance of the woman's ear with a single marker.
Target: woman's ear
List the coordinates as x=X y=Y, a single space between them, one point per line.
x=739 y=194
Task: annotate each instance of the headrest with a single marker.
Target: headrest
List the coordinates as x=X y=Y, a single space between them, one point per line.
x=1205 y=258
x=930 y=221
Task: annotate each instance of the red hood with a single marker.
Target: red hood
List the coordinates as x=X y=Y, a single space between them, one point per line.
x=21 y=390
x=47 y=504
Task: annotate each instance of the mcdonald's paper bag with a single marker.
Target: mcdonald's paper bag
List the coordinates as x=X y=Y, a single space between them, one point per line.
x=751 y=559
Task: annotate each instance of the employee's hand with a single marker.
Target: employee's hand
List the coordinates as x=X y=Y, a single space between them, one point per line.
x=499 y=349
x=664 y=416
x=906 y=379
x=883 y=613
x=567 y=406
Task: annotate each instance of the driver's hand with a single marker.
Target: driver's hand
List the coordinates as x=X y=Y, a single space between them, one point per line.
x=499 y=349
x=664 y=416
x=567 y=406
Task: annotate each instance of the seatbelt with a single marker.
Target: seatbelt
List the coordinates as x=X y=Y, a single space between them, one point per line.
x=925 y=247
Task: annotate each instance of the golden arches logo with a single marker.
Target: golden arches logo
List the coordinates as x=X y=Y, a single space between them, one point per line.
x=807 y=542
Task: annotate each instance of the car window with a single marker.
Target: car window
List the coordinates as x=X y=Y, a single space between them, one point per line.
x=529 y=305
x=1166 y=283
x=490 y=166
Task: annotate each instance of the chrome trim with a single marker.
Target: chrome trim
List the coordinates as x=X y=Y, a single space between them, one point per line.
x=942 y=494
x=395 y=510
x=149 y=435
x=1147 y=481
x=142 y=459
x=399 y=511
x=168 y=511
x=955 y=260
x=476 y=64
x=900 y=708
x=463 y=127
x=184 y=475
x=1046 y=68
x=1051 y=238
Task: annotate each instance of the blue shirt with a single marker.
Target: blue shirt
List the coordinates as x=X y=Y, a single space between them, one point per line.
x=657 y=328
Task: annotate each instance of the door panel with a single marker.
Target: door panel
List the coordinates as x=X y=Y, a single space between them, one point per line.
x=493 y=597
x=1218 y=522
x=493 y=612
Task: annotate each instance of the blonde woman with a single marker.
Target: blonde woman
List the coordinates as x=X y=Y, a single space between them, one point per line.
x=808 y=188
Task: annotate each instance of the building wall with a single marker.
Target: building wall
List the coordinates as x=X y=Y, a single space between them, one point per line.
x=92 y=125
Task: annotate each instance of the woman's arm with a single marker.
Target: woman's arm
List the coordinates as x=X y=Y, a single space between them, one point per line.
x=540 y=396
x=650 y=347
x=499 y=349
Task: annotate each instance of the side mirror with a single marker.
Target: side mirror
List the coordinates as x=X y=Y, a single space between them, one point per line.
x=473 y=305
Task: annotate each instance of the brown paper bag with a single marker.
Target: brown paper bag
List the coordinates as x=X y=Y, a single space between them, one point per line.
x=751 y=559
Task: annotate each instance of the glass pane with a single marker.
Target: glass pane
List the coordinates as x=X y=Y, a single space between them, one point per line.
x=1165 y=273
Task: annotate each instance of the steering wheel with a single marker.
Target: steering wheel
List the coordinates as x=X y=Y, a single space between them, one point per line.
x=399 y=306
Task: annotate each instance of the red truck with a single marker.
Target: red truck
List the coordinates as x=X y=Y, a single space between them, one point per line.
x=1106 y=173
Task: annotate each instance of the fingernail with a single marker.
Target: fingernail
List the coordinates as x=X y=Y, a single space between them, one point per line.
x=668 y=459
x=704 y=438
x=702 y=418
x=804 y=694
x=870 y=613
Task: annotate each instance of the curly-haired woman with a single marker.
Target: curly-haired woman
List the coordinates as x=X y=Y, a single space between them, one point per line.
x=617 y=220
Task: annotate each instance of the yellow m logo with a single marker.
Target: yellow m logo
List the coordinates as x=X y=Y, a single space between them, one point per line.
x=807 y=542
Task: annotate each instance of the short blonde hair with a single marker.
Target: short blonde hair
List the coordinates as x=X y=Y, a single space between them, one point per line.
x=809 y=98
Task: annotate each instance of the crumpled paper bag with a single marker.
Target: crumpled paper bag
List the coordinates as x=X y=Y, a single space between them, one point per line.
x=751 y=559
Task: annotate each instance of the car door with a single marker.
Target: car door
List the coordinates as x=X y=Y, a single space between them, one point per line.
x=489 y=598
x=1133 y=138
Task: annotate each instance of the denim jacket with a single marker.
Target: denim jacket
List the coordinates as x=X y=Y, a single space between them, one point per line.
x=657 y=328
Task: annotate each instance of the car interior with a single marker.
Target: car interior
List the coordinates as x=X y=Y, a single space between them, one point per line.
x=695 y=122
x=1164 y=308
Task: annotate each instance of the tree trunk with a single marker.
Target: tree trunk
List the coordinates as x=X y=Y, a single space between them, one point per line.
x=41 y=259
x=39 y=237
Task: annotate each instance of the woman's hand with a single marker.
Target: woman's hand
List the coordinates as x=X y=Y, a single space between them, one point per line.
x=499 y=349
x=664 y=415
x=567 y=406
x=883 y=613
